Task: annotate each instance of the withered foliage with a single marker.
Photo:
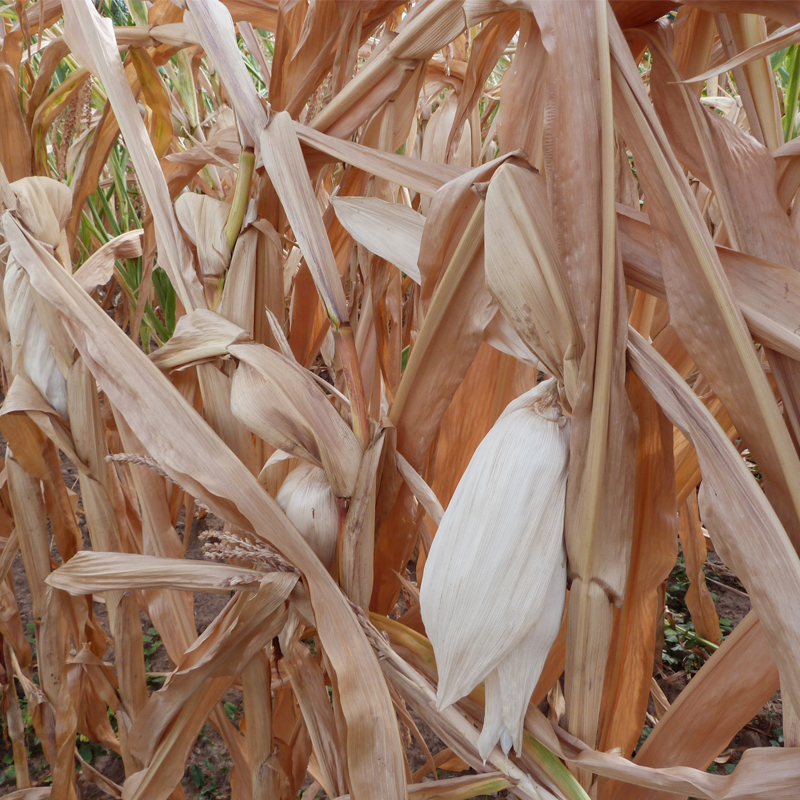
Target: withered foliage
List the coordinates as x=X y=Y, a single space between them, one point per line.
x=287 y=262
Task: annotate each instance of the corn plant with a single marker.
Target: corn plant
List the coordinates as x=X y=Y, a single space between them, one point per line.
x=458 y=315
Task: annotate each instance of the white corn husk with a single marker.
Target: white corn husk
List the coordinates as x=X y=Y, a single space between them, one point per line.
x=307 y=499
x=43 y=205
x=493 y=592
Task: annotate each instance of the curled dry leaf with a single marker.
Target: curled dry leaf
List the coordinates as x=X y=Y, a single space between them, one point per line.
x=277 y=399
x=89 y=572
x=390 y=230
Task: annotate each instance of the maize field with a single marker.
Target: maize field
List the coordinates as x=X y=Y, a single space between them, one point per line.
x=453 y=328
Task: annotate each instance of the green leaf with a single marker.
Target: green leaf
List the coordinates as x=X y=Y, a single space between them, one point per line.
x=167 y=299
x=197 y=776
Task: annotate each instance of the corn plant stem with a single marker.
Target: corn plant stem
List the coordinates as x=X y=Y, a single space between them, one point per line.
x=346 y=345
x=247 y=161
x=591 y=651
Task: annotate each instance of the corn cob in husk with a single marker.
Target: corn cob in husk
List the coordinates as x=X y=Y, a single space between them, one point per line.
x=493 y=592
x=308 y=500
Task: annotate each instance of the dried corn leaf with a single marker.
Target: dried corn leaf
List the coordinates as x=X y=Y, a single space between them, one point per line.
x=765 y=292
x=738 y=669
x=200 y=335
x=653 y=554
x=87 y=573
x=701 y=303
x=164 y=733
x=768 y=567
x=99 y=267
x=523 y=270
x=390 y=230
x=698 y=597
x=280 y=402
x=426 y=179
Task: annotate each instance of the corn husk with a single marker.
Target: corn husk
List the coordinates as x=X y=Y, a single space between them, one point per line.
x=203 y=221
x=43 y=205
x=308 y=500
x=493 y=592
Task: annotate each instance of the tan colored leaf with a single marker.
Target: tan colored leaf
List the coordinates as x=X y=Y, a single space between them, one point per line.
x=99 y=267
x=698 y=597
x=280 y=402
x=390 y=230
x=769 y=566
x=201 y=335
x=523 y=270
x=89 y=572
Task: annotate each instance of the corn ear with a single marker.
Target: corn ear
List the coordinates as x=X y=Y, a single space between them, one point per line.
x=308 y=500
x=495 y=580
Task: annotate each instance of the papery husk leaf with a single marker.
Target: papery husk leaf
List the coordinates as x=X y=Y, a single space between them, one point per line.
x=203 y=221
x=89 y=573
x=31 y=353
x=44 y=206
x=510 y=684
x=236 y=303
x=308 y=501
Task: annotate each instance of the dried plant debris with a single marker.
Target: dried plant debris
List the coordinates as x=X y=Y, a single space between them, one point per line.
x=463 y=334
